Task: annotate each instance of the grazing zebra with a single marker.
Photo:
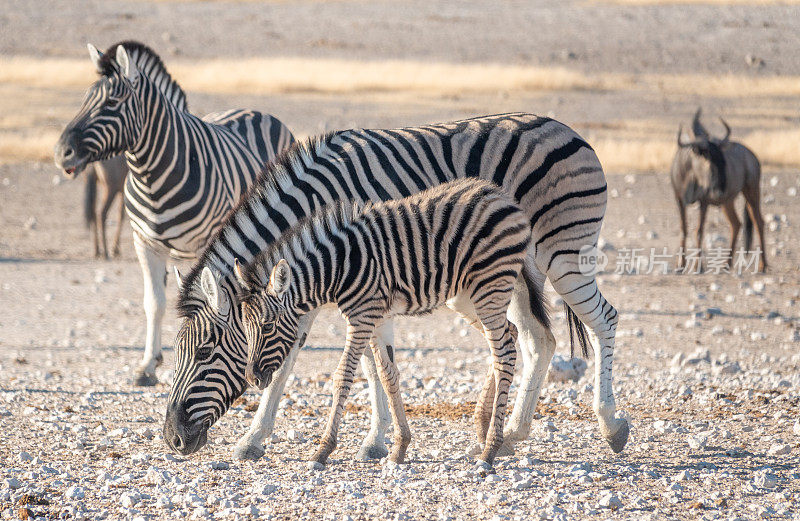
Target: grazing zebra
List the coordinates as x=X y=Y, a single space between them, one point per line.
x=712 y=172
x=461 y=243
x=186 y=172
x=110 y=175
x=549 y=170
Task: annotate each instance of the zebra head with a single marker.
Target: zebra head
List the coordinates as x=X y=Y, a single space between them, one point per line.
x=210 y=355
x=270 y=324
x=107 y=122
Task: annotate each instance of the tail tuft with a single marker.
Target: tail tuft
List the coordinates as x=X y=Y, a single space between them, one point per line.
x=748 y=231
x=89 y=197
x=576 y=329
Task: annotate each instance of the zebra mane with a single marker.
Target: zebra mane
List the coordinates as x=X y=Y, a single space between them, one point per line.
x=148 y=63
x=275 y=179
x=299 y=239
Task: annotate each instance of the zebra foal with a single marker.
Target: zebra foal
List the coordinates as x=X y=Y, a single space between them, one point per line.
x=461 y=244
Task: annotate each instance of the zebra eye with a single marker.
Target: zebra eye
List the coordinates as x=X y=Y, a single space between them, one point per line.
x=113 y=103
x=204 y=352
x=267 y=328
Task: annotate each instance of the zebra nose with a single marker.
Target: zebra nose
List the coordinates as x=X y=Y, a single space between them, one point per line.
x=252 y=378
x=178 y=443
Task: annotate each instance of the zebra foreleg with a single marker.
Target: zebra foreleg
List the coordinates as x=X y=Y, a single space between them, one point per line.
x=358 y=337
x=504 y=355
x=251 y=445
x=389 y=376
x=374 y=446
x=154 y=270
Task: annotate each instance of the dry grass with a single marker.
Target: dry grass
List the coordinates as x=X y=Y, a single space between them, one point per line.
x=775 y=147
x=619 y=155
x=37 y=146
x=298 y=75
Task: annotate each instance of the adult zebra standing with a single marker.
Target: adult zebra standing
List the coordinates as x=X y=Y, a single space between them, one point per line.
x=186 y=172
x=551 y=172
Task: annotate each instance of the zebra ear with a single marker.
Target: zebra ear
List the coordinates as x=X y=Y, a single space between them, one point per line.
x=95 y=56
x=127 y=67
x=237 y=269
x=280 y=278
x=178 y=278
x=210 y=288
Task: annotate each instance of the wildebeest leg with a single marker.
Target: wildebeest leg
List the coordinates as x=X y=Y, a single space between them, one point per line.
x=682 y=212
x=120 y=221
x=752 y=198
x=736 y=224
x=700 y=224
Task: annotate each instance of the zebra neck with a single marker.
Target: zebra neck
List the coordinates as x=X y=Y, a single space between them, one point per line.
x=161 y=148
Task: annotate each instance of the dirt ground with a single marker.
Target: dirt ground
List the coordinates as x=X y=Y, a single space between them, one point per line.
x=706 y=365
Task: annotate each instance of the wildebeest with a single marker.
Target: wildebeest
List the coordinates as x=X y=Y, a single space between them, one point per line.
x=712 y=171
x=110 y=175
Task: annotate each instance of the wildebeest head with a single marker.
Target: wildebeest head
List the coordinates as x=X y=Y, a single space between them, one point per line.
x=702 y=161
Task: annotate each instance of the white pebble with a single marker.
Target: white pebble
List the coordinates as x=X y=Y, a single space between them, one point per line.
x=74 y=492
x=779 y=449
x=610 y=500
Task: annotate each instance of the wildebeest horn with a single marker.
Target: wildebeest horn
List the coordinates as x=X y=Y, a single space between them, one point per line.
x=727 y=132
x=697 y=128
x=682 y=143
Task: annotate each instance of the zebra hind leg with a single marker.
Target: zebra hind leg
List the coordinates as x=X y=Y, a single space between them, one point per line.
x=581 y=294
x=374 y=446
x=537 y=345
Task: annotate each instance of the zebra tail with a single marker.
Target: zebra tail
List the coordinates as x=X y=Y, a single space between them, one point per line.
x=748 y=230
x=536 y=296
x=576 y=330
x=89 y=197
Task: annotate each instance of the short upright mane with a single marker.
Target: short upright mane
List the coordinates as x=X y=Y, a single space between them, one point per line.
x=277 y=179
x=149 y=63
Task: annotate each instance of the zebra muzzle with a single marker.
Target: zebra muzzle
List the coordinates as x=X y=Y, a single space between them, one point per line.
x=258 y=378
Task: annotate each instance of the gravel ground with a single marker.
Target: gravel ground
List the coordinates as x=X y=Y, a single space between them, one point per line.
x=707 y=373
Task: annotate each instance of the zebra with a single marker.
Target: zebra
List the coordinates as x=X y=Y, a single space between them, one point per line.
x=461 y=243
x=186 y=172
x=712 y=172
x=548 y=169
x=110 y=175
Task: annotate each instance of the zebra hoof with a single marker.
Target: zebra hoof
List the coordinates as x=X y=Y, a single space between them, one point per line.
x=248 y=452
x=506 y=449
x=483 y=468
x=475 y=449
x=618 y=440
x=315 y=465
x=368 y=452
x=145 y=380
